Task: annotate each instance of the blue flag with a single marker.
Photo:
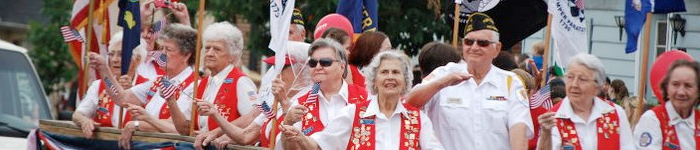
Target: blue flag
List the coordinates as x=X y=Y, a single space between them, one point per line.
x=634 y=19
x=130 y=20
x=363 y=14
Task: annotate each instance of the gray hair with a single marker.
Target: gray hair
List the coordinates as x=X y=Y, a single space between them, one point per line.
x=593 y=63
x=300 y=28
x=184 y=36
x=371 y=69
x=330 y=43
x=496 y=36
x=116 y=39
x=228 y=33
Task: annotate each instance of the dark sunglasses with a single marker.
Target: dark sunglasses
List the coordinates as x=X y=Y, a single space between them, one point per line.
x=325 y=62
x=482 y=43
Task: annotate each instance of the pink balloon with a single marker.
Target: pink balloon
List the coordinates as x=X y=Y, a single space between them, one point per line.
x=333 y=20
x=660 y=68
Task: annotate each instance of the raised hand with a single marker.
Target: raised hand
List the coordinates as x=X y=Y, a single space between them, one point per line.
x=180 y=12
x=206 y=109
x=547 y=121
x=278 y=89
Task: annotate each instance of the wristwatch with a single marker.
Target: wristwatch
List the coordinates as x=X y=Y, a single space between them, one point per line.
x=136 y=125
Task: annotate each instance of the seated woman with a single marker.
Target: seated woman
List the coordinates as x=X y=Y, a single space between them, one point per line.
x=676 y=123
x=583 y=121
x=377 y=123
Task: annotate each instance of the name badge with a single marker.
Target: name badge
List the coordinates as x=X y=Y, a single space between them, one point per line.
x=497 y=98
x=454 y=100
x=367 y=121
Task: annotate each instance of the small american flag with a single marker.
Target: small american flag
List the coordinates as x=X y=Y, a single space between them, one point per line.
x=111 y=86
x=70 y=34
x=313 y=96
x=167 y=88
x=159 y=57
x=542 y=98
x=158 y=26
x=265 y=109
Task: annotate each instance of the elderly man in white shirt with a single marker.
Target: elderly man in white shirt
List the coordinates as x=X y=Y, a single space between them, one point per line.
x=475 y=105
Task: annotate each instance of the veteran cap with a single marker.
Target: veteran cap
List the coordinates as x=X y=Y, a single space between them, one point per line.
x=297 y=18
x=478 y=21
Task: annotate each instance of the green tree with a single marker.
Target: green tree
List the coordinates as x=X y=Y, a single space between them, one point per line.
x=409 y=23
x=50 y=54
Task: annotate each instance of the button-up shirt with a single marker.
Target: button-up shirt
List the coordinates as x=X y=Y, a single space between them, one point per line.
x=387 y=129
x=154 y=104
x=587 y=129
x=478 y=116
x=648 y=133
x=89 y=104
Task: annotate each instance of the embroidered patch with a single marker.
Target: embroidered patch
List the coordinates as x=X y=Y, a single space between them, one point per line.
x=645 y=140
x=497 y=98
x=568 y=146
x=307 y=130
x=228 y=80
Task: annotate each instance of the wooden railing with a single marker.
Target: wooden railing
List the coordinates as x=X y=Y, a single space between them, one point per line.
x=108 y=133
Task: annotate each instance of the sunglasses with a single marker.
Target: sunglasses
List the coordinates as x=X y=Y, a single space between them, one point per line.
x=482 y=43
x=325 y=62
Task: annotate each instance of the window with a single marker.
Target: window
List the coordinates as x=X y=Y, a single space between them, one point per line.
x=660 y=37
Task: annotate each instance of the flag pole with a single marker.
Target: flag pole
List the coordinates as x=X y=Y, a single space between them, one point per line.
x=86 y=64
x=455 y=29
x=197 y=51
x=273 y=129
x=545 y=57
x=643 y=75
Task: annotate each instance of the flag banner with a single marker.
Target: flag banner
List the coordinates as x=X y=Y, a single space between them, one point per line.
x=280 y=19
x=516 y=20
x=60 y=142
x=130 y=20
x=568 y=29
x=363 y=14
x=635 y=18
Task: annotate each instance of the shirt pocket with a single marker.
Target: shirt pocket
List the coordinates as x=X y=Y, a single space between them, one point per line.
x=496 y=115
x=454 y=112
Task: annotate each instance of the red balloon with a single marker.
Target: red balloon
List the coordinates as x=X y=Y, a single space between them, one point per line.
x=333 y=20
x=660 y=68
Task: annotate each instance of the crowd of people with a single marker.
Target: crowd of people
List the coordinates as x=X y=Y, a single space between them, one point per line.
x=342 y=93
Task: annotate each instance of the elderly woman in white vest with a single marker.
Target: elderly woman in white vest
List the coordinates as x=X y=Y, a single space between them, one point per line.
x=583 y=121
x=674 y=124
x=383 y=122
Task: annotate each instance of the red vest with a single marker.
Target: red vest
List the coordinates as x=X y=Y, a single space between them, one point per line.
x=226 y=98
x=164 y=109
x=668 y=132
x=608 y=128
x=363 y=131
x=105 y=107
x=141 y=79
x=357 y=77
x=311 y=122
x=264 y=138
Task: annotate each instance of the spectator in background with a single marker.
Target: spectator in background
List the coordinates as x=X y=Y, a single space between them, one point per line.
x=617 y=91
x=520 y=58
x=528 y=80
x=558 y=90
x=365 y=48
x=537 y=53
x=504 y=61
x=603 y=93
x=340 y=36
x=630 y=104
x=436 y=54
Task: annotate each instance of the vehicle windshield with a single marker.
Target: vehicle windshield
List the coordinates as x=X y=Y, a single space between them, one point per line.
x=20 y=90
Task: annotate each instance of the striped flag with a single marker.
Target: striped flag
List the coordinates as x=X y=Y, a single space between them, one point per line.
x=542 y=98
x=158 y=26
x=263 y=107
x=158 y=57
x=111 y=86
x=70 y=34
x=167 y=88
x=313 y=96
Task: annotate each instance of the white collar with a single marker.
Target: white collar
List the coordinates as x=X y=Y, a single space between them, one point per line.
x=343 y=92
x=182 y=76
x=675 y=119
x=491 y=76
x=600 y=107
x=373 y=108
x=222 y=74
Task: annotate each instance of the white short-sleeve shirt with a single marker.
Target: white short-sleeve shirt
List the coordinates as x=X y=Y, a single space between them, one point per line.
x=587 y=130
x=89 y=104
x=387 y=129
x=327 y=108
x=153 y=105
x=471 y=116
x=245 y=90
x=147 y=70
x=648 y=135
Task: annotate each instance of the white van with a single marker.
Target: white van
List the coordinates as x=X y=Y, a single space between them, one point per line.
x=22 y=99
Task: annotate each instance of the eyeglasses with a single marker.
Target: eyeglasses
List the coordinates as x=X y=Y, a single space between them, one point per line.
x=482 y=43
x=325 y=62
